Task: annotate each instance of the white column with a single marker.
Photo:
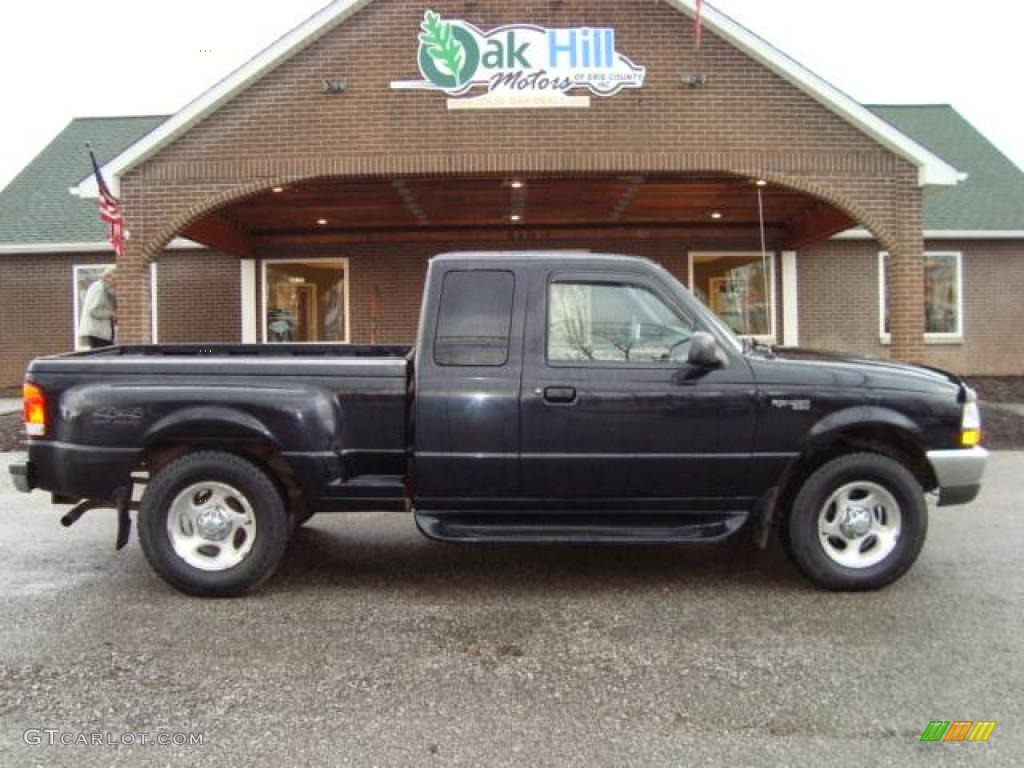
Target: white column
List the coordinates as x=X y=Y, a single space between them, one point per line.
x=248 y=291
x=154 y=305
x=790 y=302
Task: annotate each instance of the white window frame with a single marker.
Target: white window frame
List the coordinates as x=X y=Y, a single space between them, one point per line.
x=929 y=338
x=76 y=318
x=300 y=260
x=773 y=290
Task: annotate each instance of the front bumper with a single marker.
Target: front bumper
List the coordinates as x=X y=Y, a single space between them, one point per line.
x=23 y=476
x=959 y=474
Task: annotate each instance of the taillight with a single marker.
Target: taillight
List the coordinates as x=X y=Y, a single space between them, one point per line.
x=35 y=410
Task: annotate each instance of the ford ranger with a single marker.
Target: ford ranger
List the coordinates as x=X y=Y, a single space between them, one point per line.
x=550 y=398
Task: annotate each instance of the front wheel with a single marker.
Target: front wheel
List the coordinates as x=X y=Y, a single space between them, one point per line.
x=858 y=523
x=213 y=525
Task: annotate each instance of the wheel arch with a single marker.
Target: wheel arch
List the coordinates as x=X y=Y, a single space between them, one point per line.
x=895 y=438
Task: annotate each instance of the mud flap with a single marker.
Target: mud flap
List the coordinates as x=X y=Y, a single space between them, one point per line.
x=123 y=501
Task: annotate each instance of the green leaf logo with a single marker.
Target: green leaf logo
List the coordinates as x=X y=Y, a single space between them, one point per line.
x=440 y=43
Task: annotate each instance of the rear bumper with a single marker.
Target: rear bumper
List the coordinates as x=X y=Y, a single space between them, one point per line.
x=959 y=474
x=23 y=477
x=77 y=471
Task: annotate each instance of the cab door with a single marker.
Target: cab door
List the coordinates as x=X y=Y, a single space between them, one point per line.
x=613 y=416
x=466 y=416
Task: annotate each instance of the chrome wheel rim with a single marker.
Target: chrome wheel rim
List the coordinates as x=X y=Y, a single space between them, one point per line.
x=211 y=526
x=860 y=524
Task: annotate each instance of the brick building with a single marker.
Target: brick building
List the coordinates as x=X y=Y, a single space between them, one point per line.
x=300 y=198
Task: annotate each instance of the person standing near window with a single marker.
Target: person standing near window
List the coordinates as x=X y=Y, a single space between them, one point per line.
x=98 y=324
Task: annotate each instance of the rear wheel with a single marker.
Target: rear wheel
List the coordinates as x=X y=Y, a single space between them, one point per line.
x=857 y=523
x=213 y=525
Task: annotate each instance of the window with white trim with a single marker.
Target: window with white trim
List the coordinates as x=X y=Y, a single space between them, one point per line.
x=739 y=288
x=306 y=301
x=943 y=296
x=84 y=275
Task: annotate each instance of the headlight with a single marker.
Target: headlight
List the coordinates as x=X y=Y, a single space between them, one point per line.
x=970 y=428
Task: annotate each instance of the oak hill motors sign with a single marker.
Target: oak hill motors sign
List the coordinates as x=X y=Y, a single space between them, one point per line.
x=519 y=65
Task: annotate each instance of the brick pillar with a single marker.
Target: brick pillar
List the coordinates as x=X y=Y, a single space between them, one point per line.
x=906 y=281
x=133 y=310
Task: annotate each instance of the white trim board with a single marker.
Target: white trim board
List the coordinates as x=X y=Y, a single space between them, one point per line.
x=932 y=170
x=790 y=300
x=943 y=234
x=16 y=249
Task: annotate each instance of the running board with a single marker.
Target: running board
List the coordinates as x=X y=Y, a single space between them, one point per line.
x=555 y=528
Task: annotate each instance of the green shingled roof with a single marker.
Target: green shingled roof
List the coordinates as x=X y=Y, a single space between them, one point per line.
x=991 y=199
x=37 y=208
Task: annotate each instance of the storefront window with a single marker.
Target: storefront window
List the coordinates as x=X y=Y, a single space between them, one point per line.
x=306 y=301
x=739 y=288
x=943 y=288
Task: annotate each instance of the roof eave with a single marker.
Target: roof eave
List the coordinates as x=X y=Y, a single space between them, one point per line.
x=302 y=36
x=933 y=171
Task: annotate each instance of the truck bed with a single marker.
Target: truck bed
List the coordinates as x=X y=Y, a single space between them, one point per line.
x=338 y=415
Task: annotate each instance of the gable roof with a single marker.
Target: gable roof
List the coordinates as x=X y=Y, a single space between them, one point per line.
x=35 y=208
x=933 y=170
x=38 y=215
x=992 y=197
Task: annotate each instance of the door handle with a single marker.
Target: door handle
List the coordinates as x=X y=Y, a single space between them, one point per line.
x=561 y=395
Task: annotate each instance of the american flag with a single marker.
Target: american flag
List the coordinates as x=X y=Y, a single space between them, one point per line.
x=110 y=209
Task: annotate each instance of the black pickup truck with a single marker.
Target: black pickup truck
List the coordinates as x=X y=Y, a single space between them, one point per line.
x=550 y=398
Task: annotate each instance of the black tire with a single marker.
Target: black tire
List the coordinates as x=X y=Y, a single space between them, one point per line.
x=806 y=547
x=272 y=524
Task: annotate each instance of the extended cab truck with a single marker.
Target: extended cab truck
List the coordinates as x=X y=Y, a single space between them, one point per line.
x=549 y=398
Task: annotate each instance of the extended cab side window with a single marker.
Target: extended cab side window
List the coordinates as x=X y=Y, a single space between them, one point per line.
x=475 y=318
x=613 y=323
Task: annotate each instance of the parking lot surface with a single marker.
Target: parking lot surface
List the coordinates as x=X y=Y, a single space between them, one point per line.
x=376 y=647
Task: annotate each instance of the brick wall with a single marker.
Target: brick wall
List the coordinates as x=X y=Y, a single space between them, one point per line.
x=198 y=297
x=840 y=307
x=36 y=308
x=749 y=121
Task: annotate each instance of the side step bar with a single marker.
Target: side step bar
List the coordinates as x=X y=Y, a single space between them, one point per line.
x=619 y=528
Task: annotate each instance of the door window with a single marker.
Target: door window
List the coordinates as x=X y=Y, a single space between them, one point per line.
x=613 y=323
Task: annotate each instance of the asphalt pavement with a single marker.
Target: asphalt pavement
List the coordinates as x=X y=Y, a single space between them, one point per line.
x=376 y=647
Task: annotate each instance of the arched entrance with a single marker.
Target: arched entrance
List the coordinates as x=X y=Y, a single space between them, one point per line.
x=370 y=237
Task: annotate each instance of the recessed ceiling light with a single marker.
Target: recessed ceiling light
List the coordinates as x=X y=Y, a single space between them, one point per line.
x=277 y=190
x=515 y=217
x=517 y=184
x=322 y=222
x=716 y=215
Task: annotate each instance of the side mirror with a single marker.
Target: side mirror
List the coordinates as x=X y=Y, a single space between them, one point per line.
x=704 y=351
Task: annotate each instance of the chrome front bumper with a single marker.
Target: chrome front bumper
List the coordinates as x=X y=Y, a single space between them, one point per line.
x=959 y=474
